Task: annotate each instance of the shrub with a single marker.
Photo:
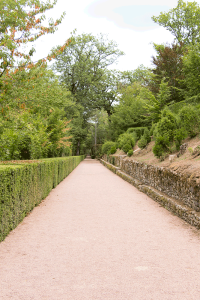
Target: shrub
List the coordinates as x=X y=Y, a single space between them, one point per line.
x=142 y=142
x=179 y=135
x=152 y=129
x=23 y=185
x=125 y=138
x=190 y=150
x=147 y=135
x=127 y=147
x=113 y=150
x=161 y=146
x=166 y=133
x=130 y=152
x=190 y=120
x=138 y=130
x=167 y=124
x=106 y=147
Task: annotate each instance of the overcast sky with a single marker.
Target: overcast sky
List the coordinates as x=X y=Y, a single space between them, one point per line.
x=127 y=22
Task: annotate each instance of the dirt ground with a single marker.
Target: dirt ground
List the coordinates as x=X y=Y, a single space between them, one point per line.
x=187 y=163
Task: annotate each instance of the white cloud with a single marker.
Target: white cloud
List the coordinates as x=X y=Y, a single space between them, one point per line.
x=135 y=43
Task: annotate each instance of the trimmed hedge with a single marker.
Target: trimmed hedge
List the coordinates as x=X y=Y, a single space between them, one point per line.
x=23 y=185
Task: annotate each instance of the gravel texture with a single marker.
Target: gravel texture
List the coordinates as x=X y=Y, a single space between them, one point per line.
x=97 y=237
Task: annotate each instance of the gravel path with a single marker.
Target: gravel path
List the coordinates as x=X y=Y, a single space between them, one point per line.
x=96 y=237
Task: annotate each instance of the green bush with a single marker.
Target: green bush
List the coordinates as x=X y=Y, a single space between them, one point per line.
x=166 y=133
x=24 y=184
x=113 y=150
x=126 y=138
x=127 y=147
x=161 y=146
x=152 y=129
x=142 y=142
x=106 y=147
x=146 y=135
x=130 y=152
x=179 y=135
x=190 y=120
x=138 y=130
x=167 y=125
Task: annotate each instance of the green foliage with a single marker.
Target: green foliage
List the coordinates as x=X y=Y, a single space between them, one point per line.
x=33 y=121
x=182 y=21
x=23 y=185
x=167 y=124
x=147 y=135
x=131 y=108
x=190 y=150
x=140 y=75
x=21 y=22
x=145 y=139
x=107 y=146
x=191 y=70
x=166 y=133
x=125 y=138
x=83 y=68
x=161 y=146
x=137 y=132
x=179 y=135
x=190 y=120
x=152 y=129
x=157 y=103
x=168 y=63
x=142 y=142
x=130 y=152
x=113 y=149
x=127 y=147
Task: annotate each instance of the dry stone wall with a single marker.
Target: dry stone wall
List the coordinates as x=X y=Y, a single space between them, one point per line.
x=177 y=192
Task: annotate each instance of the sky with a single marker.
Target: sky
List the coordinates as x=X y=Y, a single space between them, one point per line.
x=127 y=22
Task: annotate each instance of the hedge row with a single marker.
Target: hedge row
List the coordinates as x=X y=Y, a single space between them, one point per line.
x=23 y=185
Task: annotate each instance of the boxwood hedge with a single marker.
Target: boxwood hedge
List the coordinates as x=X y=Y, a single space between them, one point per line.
x=24 y=184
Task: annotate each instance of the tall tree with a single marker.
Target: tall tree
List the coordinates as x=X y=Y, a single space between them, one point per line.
x=34 y=113
x=141 y=75
x=183 y=22
x=83 y=65
x=21 y=23
x=191 y=69
x=168 y=64
x=131 y=108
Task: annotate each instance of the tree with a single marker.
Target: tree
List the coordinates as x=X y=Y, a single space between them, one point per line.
x=98 y=130
x=191 y=70
x=141 y=75
x=21 y=23
x=168 y=64
x=131 y=109
x=82 y=67
x=182 y=21
x=157 y=103
x=36 y=89
x=34 y=116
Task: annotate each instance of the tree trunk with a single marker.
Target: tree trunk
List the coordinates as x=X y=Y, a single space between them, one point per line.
x=78 y=149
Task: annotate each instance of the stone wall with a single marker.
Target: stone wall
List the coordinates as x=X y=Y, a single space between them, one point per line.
x=177 y=192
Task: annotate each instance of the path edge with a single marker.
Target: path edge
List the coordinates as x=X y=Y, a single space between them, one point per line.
x=175 y=206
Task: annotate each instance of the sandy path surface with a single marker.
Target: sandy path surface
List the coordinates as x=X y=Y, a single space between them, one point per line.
x=96 y=237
